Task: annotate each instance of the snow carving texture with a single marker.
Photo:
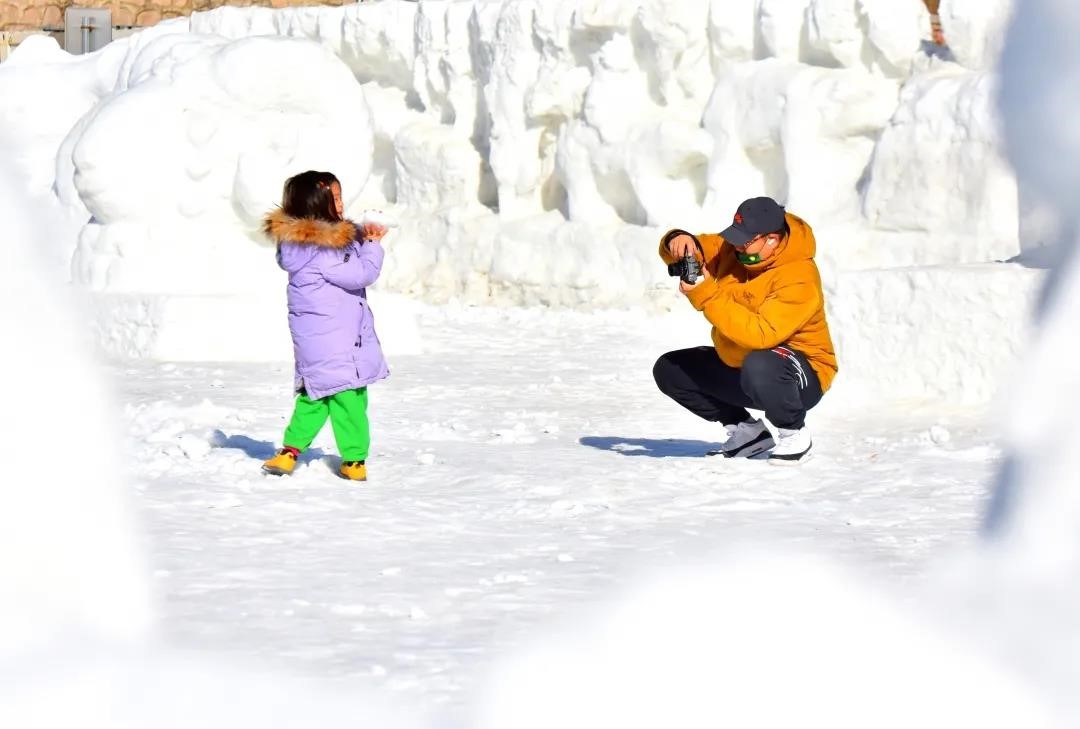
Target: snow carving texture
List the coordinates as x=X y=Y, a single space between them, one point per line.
x=494 y=115
x=532 y=151
x=655 y=113
x=241 y=116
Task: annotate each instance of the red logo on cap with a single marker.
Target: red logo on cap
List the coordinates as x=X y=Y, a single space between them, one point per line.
x=738 y=218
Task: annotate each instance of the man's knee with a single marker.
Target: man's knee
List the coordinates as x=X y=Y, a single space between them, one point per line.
x=760 y=367
x=665 y=373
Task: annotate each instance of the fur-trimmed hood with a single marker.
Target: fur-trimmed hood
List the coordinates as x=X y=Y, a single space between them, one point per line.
x=282 y=228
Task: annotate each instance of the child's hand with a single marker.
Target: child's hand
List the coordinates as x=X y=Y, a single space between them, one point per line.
x=373 y=231
x=374 y=224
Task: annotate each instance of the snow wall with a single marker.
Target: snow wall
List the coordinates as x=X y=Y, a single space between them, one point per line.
x=534 y=152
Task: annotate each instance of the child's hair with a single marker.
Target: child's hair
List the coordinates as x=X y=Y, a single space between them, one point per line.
x=310 y=195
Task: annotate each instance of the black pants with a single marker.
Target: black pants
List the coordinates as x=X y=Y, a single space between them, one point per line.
x=779 y=381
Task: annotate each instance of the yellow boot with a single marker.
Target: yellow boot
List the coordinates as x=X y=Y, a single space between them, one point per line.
x=281 y=464
x=353 y=470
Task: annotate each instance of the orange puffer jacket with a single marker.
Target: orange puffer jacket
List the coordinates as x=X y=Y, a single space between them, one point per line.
x=763 y=305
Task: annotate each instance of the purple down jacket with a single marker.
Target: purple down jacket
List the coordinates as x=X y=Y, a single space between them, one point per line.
x=333 y=331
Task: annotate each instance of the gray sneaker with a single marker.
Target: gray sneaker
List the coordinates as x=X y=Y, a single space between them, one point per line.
x=747 y=439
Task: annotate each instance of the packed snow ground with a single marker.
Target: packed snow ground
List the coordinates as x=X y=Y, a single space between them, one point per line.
x=512 y=479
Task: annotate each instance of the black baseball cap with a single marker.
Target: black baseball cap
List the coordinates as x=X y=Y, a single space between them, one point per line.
x=756 y=216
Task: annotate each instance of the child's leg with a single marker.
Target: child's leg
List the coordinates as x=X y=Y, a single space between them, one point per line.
x=309 y=416
x=348 y=418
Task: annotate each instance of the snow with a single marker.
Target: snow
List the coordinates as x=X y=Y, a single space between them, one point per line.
x=613 y=114
x=916 y=153
x=533 y=153
x=79 y=633
x=875 y=34
x=230 y=145
x=33 y=125
x=758 y=642
x=541 y=542
x=57 y=530
x=513 y=484
x=1033 y=550
x=954 y=346
x=975 y=29
x=664 y=113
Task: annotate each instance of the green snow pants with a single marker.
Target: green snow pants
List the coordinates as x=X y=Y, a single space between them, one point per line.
x=348 y=417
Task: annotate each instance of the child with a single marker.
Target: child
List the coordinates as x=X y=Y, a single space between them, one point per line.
x=330 y=262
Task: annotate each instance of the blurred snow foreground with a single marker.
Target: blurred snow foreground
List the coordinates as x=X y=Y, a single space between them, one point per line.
x=755 y=641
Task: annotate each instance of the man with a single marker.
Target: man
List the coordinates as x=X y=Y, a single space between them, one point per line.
x=761 y=291
x=936 y=33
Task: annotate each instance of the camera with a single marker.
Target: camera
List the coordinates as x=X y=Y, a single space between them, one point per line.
x=686 y=268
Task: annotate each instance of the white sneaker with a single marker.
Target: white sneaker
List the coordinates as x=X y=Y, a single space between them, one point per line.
x=792 y=448
x=746 y=439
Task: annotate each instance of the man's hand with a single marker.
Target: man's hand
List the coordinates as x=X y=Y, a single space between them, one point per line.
x=686 y=288
x=682 y=244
